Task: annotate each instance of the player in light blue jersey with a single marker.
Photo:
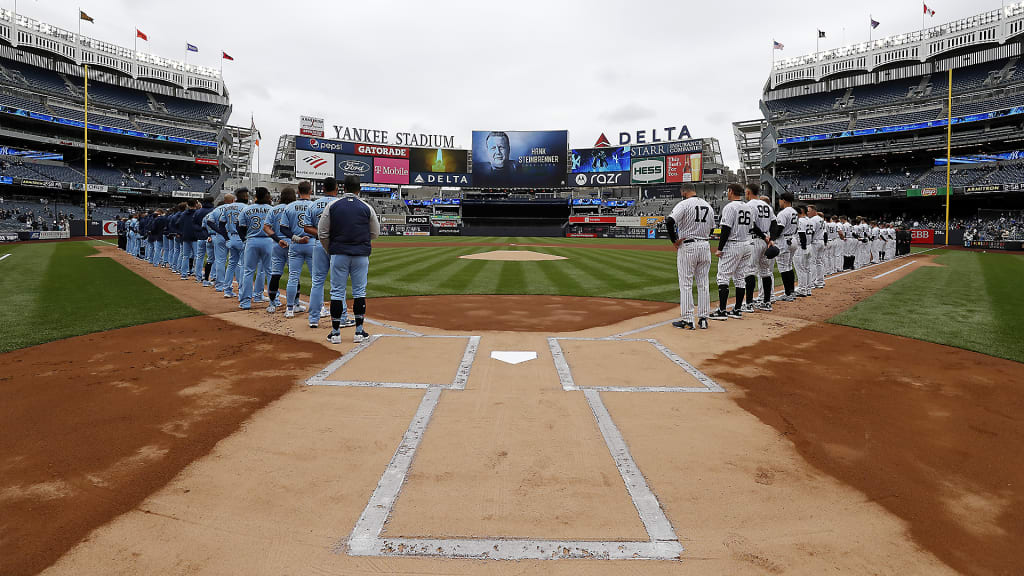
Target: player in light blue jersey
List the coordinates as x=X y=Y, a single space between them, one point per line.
x=220 y=246
x=229 y=229
x=293 y=224
x=258 y=244
x=279 y=253
x=321 y=261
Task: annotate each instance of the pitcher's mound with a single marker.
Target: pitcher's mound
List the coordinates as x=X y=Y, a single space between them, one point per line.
x=513 y=255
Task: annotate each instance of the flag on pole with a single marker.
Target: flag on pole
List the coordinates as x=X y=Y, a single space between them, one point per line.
x=254 y=131
x=141 y=34
x=874 y=23
x=777 y=45
x=928 y=10
x=83 y=16
x=226 y=56
x=191 y=47
x=821 y=34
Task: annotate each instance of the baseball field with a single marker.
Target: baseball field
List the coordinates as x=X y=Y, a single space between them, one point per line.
x=524 y=407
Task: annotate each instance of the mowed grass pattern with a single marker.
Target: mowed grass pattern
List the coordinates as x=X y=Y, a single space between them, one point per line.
x=54 y=291
x=401 y=270
x=968 y=302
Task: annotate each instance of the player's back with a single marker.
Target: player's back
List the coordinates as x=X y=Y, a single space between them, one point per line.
x=253 y=218
x=695 y=219
x=737 y=216
x=788 y=219
x=297 y=215
x=762 y=215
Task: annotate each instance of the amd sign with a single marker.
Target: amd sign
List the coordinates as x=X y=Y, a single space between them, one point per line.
x=600 y=179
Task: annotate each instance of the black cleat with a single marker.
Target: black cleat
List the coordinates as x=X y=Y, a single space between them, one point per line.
x=702 y=323
x=684 y=325
x=719 y=315
x=735 y=313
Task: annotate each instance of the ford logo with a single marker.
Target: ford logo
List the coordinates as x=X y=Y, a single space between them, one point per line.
x=353 y=167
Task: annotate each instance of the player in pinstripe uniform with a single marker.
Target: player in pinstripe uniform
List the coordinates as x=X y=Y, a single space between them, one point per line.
x=863 y=249
x=787 y=219
x=875 y=234
x=759 y=266
x=890 y=242
x=816 y=227
x=803 y=253
x=733 y=252
x=689 y=227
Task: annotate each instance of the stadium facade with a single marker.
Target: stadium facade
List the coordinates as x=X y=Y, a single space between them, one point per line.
x=868 y=121
x=157 y=127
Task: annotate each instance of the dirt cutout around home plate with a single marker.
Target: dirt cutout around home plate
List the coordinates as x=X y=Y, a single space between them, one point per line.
x=513 y=256
x=93 y=425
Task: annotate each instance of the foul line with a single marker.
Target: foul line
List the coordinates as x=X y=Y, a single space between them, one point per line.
x=894 y=270
x=4 y=256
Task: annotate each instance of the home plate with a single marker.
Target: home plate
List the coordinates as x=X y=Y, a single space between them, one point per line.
x=510 y=357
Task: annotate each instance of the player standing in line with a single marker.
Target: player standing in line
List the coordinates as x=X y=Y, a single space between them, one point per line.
x=733 y=252
x=202 y=266
x=346 y=230
x=321 y=260
x=874 y=234
x=803 y=253
x=761 y=228
x=279 y=253
x=210 y=246
x=295 y=220
x=835 y=245
x=220 y=246
x=847 y=249
x=816 y=228
x=229 y=230
x=890 y=242
x=258 y=244
x=188 y=238
x=156 y=234
x=689 y=227
x=787 y=219
x=863 y=248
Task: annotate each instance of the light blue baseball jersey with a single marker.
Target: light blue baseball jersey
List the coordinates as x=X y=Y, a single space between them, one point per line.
x=296 y=216
x=253 y=218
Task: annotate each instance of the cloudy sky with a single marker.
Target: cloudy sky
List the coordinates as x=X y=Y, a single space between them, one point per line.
x=446 y=66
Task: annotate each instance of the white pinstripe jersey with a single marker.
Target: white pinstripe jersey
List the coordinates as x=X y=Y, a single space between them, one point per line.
x=787 y=218
x=694 y=218
x=763 y=215
x=737 y=216
x=816 y=229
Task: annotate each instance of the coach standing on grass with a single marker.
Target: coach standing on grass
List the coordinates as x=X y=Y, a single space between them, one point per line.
x=345 y=231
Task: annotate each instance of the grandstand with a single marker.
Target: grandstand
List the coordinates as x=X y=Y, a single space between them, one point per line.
x=868 y=121
x=158 y=129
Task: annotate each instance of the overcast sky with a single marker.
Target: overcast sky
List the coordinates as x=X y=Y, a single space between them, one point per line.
x=451 y=67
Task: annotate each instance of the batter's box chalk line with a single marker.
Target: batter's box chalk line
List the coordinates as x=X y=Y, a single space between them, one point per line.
x=707 y=384
x=366 y=540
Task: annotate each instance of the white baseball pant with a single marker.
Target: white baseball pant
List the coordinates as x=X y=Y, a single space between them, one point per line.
x=693 y=262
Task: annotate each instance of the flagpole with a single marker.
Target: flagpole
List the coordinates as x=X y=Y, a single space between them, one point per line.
x=949 y=144
x=86 y=187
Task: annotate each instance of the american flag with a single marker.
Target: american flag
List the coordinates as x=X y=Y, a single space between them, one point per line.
x=777 y=45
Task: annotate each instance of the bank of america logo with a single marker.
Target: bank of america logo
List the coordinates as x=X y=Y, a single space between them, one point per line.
x=315 y=161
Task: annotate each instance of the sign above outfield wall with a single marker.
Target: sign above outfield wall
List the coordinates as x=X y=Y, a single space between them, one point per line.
x=648 y=171
x=520 y=159
x=310 y=126
x=645 y=136
x=374 y=136
x=313 y=165
x=600 y=179
x=667 y=148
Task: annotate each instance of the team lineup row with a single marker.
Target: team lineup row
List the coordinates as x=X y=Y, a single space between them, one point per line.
x=246 y=244
x=804 y=243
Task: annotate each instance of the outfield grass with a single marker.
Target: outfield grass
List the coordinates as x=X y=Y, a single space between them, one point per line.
x=397 y=270
x=969 y=302
x=53 y=291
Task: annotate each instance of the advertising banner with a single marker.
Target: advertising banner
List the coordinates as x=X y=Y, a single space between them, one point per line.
x=520 y=159
x=600 y=179
x=380 y=150
x=439 y=160
x=667 y=148
x=92 y=187
x=918 y=236
x=588 y=160
x=628 y=221
x=392 y=219
x=6 y=180
x=310 y=126
x=390 y=170
x=983 y=188
x=421 y=220
x=207 y=161
x=651 y=221
x=814 y=196
x=38 y=183
x=321 y=145
x=313 y=165
x=8 y=237
x=432 y=179
x=684 y=168
x=110 y=227
x=446 y=231
x=592 y=219
x=55 y=235
x=349 y=165
x=648 y=171
x=186 y=194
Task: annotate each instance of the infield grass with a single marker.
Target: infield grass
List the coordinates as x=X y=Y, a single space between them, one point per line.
x=968 y=301
x=54 y=290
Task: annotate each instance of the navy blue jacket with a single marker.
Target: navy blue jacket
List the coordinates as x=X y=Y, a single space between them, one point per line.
x=350 y=227
x=159 y=229
x=186 y=227
x=197 y=221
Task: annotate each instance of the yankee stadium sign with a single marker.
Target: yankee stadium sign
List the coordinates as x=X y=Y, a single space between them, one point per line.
x=371 y=136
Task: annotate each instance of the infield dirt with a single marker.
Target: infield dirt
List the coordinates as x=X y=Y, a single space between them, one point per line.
x=768 y=478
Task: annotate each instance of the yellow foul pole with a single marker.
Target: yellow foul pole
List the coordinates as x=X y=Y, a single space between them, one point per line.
x=949 y=143
x=86 y=149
